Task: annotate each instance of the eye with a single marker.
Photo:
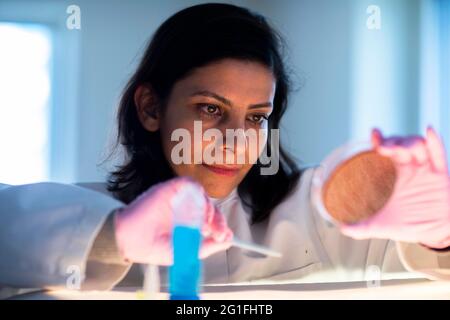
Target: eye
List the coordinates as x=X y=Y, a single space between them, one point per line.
x=210 y=110
x=258 y=118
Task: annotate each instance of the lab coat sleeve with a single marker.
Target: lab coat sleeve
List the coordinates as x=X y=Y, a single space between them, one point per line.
x=416 y=258
x=51 y=236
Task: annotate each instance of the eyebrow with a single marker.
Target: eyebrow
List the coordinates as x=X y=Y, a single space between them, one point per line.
x=224 y=100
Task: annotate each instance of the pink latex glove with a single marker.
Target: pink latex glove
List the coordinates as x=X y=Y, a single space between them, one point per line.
x=419 y=209
x=144 y=228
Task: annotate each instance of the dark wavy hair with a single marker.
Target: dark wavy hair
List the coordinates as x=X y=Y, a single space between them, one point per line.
x=195 y=37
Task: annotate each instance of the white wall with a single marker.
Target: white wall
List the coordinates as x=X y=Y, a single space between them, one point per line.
x=318 y=34
x=385 y=68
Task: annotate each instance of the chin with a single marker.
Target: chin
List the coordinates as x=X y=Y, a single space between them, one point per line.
x=215 y=193
x=215 y=186
x=216 y=190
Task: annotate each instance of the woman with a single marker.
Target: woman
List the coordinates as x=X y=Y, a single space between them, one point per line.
x=221 y=65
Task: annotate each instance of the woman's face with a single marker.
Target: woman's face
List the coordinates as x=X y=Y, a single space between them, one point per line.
x=229 y=94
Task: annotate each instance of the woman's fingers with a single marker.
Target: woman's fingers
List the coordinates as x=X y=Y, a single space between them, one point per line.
x=217 y=235
x=436 y=151
x=209 y=218
x=376 y=138
x=419 y=151
x=357 y=231
x=216 y=226
x=399 y=154
x=211 y=246
x=403 y=150
x=220 y=230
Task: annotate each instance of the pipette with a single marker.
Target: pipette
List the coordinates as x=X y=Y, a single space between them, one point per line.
x=255 y=248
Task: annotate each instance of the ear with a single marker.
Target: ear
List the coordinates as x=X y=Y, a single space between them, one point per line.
x=147 y=107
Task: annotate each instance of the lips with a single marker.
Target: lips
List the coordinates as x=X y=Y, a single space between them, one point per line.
x=222 y=170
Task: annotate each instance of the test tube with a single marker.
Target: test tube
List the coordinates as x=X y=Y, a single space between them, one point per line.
x=185 y=272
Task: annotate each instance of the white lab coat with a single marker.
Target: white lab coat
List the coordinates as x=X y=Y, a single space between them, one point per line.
x=48 y=230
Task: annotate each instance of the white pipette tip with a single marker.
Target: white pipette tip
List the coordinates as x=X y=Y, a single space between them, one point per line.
x=151 y=282
x=255 y=248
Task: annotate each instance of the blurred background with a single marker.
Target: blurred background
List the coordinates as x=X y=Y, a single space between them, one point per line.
x=356 y=64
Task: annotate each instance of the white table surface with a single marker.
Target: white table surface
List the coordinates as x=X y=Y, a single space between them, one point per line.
x=395 y=289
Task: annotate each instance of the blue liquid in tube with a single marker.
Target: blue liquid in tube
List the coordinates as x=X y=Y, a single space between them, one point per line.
x=184 y=274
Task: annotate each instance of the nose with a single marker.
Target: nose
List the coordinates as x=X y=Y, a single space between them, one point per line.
x=235 y=144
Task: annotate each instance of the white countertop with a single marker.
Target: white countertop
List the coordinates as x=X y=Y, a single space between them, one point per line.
x=395 y=289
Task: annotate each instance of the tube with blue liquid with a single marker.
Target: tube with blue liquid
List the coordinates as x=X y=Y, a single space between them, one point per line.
x=185 y=272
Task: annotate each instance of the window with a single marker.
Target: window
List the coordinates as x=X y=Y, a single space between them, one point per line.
x=25 y=97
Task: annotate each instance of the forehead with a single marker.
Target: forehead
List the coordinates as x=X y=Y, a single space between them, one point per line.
x=239 y=81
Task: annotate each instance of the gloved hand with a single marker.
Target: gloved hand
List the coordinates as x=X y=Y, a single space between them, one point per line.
x=418 y=210
x=144 y=228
